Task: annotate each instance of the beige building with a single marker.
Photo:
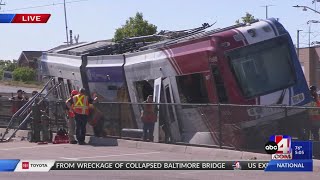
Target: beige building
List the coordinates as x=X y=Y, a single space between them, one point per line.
x=309 y=59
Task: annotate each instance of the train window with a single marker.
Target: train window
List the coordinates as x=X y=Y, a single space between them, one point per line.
x=264 y=67
x=192 y=89
x=70 y=86
x=112 y=88
x=67 y=90
x=221 y=90
x=54 y=92
x=106 y=91
x=170 y=108
x=144 y=89
x=62 y=89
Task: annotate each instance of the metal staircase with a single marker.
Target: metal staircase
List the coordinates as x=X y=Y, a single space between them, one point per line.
x=24 y=111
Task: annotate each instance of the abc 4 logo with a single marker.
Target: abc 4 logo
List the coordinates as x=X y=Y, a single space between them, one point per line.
x=278 y=144
x=271 y=147
x=282 y=147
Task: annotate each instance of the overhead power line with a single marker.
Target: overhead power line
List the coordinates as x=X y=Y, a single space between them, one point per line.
x=41 y=6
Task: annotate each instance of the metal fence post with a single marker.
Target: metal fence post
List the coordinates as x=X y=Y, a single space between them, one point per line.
x=56 y=115
x=285 y=118
x=119 y=119
x=285 y=112
x=220 y=126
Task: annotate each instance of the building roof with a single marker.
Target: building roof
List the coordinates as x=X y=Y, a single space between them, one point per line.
x=30 y=55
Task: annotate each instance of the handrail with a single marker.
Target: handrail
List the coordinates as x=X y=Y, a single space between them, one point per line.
x=25 y=107
x=31 y=100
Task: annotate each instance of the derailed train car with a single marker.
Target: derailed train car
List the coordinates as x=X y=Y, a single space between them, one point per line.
x=252 y=64
x=106 y=81
x=65 y=68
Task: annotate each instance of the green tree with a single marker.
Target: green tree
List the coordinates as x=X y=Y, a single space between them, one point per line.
x=248 y=18
x=2 y=63
x=135 y=26
x=24 y=74
x=8 y=65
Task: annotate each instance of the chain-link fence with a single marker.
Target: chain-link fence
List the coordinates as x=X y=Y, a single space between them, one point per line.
x=8 y=108
x=221 y=125
x=53 y=110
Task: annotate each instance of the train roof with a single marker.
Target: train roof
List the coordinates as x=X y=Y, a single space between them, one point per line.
x=63 y=47
x=142 y=43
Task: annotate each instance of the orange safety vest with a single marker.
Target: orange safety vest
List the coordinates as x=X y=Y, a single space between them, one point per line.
x=70 y=112
x=148 y=114
x=315 y=113
x=81 y=104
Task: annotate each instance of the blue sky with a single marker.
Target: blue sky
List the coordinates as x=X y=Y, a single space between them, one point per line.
x=98 y=19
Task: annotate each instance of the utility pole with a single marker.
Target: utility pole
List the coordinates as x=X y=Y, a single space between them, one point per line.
x=266 y=6
x=71 y=39
x=309 y=34
x=315 y=3
x=2 y=4
x=310 y=22
x=298 y=37
x=65 y=18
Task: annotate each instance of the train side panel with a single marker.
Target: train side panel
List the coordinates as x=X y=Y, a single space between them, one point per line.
x=106 y=81
x=63 y=66
x=182 y=68
x=106 y=77
x=141 y=69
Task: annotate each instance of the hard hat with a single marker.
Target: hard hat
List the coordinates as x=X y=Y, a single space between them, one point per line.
x=74 y=92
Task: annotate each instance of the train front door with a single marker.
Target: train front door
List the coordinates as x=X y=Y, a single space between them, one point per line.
x=66 y=86
x=171 y=120
x=61 y=89
x=156 y=99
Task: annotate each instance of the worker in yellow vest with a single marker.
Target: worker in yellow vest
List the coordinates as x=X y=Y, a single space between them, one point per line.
x=70 y=119
x=80 y=106
x=315 y=114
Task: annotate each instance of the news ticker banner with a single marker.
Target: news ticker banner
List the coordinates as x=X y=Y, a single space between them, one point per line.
x=24 y=18
x=15 y=165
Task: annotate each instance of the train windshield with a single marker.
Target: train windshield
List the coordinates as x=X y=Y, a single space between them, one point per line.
x=263 y=67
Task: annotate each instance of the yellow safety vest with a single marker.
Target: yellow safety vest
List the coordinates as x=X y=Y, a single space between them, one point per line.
x=81 y=104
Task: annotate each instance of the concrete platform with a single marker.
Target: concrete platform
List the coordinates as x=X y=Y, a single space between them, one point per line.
x=111 y=149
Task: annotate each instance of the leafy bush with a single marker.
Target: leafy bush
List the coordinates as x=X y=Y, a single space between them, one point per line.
x=24 y=74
